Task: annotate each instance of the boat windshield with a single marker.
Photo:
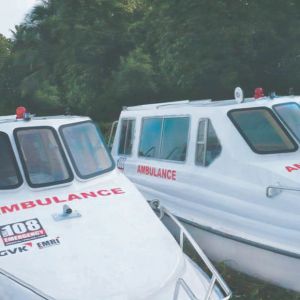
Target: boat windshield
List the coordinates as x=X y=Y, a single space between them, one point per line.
x=289 y=113
x=86 y=149
x=9 y=173
x=262 y=130
x=42 y=156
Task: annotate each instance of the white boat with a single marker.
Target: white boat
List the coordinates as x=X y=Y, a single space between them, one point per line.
x=73 y=227
x=230 y=170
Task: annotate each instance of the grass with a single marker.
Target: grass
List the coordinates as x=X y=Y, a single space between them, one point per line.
x=245 y=287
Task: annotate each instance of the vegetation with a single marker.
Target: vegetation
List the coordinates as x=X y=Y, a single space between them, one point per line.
x=94 y=56
x=248 y=288
x=243 y=287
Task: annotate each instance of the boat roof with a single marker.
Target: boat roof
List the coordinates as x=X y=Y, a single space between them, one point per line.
x=209 y=103
x=12 y=121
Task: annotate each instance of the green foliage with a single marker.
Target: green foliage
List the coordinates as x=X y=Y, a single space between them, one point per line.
x=248 y=288
x=5 y=46
x=5 y=51
x=95 y=56
x=243 y=287
x=208 y=47
x=135 y=78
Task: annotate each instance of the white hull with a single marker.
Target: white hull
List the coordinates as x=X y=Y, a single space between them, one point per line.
x=255 y=260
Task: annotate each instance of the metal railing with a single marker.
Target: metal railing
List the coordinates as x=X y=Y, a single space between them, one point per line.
x=274 y=190
x=216 y=278
x=182 y=284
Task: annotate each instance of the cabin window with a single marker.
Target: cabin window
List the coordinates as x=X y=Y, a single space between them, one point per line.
x=150 y=137
x=86 y=149
x=9 y=173
x=289 y=113
x=262 y=130
x=42 y=156
x=208 y=145
x=174 y=139
x=164 y=138
x=126 y=137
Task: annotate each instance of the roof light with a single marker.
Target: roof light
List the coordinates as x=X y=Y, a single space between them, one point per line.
x=258 y=93
x=239 y=95
x=20 y=112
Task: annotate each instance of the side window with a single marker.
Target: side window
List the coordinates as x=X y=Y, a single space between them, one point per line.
x=126 y=137
x=174 y=139
x=164 y=138
x=208 y=145
x=9 y=173
x=150 y=137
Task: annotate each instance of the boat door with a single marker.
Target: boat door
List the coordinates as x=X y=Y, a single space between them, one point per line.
x=122 y=147
x=152 y=151
x=167 y=156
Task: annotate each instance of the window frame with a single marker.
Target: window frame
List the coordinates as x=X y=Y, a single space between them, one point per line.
x=283 y=121
x=133 y=137
x=15 y=163
x=161 y=135
x=207 y=121
x=93 y=175
x=247 y=140
x=204 y=143
x=62 y=152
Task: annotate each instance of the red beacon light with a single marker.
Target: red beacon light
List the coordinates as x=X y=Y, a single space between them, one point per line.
x=20 y=112
x=258 y=93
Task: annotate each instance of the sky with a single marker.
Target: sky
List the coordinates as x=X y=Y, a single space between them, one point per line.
x=12 y=12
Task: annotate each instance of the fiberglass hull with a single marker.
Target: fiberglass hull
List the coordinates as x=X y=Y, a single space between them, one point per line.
x=270 y=263
x=106 y=250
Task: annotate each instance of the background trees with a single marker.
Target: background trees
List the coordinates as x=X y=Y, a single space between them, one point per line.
x=94 y=56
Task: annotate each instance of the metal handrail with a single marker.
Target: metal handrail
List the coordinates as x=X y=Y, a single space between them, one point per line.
x=274 y=190
x=216 y=277
x=113 y=125
x=181 y=283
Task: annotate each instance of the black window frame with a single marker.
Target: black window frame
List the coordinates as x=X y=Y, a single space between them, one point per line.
x=229 y=114
x=15 y=163
x=133 y=136
x=93 y=175
x=163 y=117
x=62 y=152
x=283 y=121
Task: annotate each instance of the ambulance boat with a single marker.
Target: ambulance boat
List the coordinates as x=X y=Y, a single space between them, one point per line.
x=229 y=170
x=73 y=227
